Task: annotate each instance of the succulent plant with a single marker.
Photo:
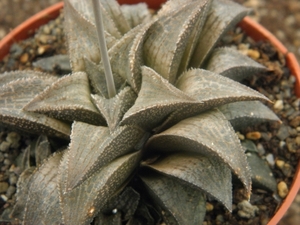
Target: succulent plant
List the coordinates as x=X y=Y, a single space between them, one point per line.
x=164 y=142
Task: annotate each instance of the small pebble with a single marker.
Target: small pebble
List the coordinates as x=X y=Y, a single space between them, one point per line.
x=282 y=189
x=240 y=136
x=209 y=207
x=24 y=58
x=270 y=159
x=13 y=138
x=255 y=135
x=7 y=162
x=3 y=187
x=254 y=54
x=283 y=132
x=4 y=146
x=10 y=191
x=246 y=210
x=278 y=105
x=13 y=179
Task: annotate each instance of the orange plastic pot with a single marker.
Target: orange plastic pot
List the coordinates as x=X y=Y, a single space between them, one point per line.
x=253 y=29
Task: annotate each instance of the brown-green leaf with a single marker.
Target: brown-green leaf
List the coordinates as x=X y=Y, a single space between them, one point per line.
x=68 y=99
x=244 y=114
x=181 y=204
x=92 y=147
x=210 y=134
x=156 y=100
x=230 y=63
x=16 y=93
x=222 y=16
x=81 y=204
x=168 y=50
x=203 y=173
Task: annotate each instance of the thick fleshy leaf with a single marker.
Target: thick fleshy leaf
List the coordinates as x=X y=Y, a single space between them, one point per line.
x=42 y=149
x=43 y=188
x=222 y=16
x=207 y=174
x=230 y=63
x=115 y=12
x=22 y=194
x=81 y=204
x=168 y=50
x=261 y=174
x=127 y=54
x=113 y=109
x=97 y=78
x=214 y=90
x=82 y=37
x=156 y=100
x=92 y=147
x=16 y=93
x=67 y=99
x=85 y=10
x=181 y=204
x=126 y=203
x=208 y=133
x=59 y=63
x=136 y=14
x=244 y=114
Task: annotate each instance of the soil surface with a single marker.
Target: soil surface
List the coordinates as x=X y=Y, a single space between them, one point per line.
x=280 y=17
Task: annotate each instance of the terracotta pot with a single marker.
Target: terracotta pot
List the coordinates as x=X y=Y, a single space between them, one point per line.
x=253 y=29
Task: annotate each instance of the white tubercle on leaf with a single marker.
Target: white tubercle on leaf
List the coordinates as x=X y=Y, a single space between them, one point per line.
x=103 y=49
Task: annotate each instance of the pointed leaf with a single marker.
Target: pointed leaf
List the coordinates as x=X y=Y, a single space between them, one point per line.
x=136 y=14
x=207 y=174
x=230 y=63
x=80 y=205
x=92 y=147
x=214 y=90
x=180 y=203
x=82 y=37
x=168 y=49
x=261 y=174
x=60 y=63
x=127 y=54
x=22 y=194
x=67 y=99
x=113 y=109
x=43 y=189
x=85 y=10
x=208 y=133
x=156 y=100
x=222 y=16
x=114 y=10
x=244 y=114
x=16 y=93
x=42 y=149
x=97 y=78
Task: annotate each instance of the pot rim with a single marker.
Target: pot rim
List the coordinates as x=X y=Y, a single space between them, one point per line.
x=252 y=28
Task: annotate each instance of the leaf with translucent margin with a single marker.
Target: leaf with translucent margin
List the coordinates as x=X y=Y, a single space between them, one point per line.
x=82 y=37
x=213 y=90
x=17 y=89
x=207 y=174
x=230 y=63
x=42 y=149
x=181 y=204
x=92 y=147
x=156 y=100
x=136 y=14
x=67 y=99
x=244 y=114
x=113 y=109
x=222 y=16
x=168 y=50
x=43 y=189
x=210 y=134
x=81 y=204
